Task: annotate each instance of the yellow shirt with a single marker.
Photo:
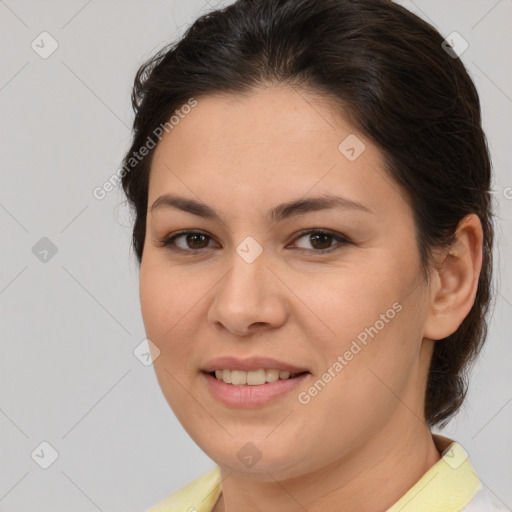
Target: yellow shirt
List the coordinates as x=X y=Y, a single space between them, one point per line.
x=451 y=485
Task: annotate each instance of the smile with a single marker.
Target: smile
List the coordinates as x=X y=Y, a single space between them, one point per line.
x=252 y=378
x=247 y=395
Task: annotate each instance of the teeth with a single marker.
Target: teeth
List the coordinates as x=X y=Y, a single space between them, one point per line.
x=255 y=378
x=238 y=378
x=271 y=375
x=252 y=378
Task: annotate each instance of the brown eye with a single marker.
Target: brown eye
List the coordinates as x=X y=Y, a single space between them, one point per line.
x=321 y=240
x=195 y=240
x=192 y=241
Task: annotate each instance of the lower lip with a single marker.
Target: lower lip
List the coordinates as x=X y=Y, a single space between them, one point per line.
x=251 y=396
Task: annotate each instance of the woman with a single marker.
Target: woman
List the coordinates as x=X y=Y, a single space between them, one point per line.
x=313 y=223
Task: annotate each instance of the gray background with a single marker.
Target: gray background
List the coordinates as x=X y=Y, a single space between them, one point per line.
x=70 y=324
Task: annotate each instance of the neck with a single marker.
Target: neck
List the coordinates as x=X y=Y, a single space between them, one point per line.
x=372 y=477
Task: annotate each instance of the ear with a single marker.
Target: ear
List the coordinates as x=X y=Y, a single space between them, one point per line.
x=454 y=280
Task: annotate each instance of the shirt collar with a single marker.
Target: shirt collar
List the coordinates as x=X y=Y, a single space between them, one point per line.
x=448 y=486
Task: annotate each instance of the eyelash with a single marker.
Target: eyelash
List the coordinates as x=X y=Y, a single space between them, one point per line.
x=169 y=242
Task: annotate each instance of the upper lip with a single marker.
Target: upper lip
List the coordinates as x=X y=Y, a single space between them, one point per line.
x=250 y=363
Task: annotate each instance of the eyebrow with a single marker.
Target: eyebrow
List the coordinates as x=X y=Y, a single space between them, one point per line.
x=276 y=214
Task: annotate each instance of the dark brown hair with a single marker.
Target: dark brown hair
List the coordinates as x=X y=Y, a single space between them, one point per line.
x=386 y=70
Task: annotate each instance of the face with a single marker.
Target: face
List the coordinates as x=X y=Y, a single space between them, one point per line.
x=331 y=292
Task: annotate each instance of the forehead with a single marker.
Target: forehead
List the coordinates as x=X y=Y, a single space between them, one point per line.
x=262 y=147
x=272 y=116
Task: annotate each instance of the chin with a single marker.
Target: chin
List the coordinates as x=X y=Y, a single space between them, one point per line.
x=254 y=459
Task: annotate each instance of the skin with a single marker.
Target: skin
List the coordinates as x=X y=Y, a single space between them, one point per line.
x=242 y=156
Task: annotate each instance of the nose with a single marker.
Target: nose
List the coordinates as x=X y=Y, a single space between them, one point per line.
x=249 y=298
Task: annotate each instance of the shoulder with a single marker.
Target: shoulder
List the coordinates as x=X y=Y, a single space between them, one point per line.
x=199 y=495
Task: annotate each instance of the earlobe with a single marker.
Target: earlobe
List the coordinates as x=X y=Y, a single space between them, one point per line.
x=454 y=280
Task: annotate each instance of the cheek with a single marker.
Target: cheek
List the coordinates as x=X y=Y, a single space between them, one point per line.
x=344 y=303
x=166 y=296
x=366 y=384
x=173 y=310
x=380 y=357
x=156 y=299
x=373 y=316
x=161 y=312
x=164 y=310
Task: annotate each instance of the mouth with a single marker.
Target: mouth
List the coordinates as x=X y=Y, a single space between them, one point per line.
x=254 y=377
x=251 y=389
x=252 y=381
